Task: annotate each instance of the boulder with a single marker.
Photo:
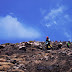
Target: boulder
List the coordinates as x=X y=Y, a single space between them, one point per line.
x=22 y=48
x=64 y=42
x=13 y=61
x=8 y=53
x=36 y=44
x=27 y=44
x=1 y=47
x=59 y=45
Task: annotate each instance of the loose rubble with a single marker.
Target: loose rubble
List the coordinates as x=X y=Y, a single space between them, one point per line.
x=33 y=57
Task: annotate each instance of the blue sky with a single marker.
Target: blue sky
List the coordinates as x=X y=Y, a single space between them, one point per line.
x=24 y=20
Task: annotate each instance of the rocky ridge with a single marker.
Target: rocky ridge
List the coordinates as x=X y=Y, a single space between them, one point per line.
x=33 y=57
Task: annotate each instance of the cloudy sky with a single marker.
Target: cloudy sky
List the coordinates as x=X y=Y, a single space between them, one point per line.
x=24 y=20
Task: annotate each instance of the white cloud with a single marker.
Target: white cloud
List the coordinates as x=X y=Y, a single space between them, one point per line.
x=43 y=11
x=53 y=13
x=50 y=18
x=10 y=27
x=11 y=13
x=68 y=36
x=67 y=17
x=55 y=22
x=48 y=25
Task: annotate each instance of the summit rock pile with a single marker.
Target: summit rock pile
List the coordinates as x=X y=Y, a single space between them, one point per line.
x=32 y=57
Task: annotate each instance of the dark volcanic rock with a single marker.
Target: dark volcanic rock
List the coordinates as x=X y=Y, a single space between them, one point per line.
x=1 y=47
x=30 y=57
x=13 y=61
x=59 y=45
x=43 y=69
x=9 y=53
x=22 y=48
x=27 y=44
x=64 y=42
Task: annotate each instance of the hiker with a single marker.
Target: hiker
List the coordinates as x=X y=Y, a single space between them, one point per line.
x=55 y=41
x=47 y=42
x=68 y=44
x=60 y=45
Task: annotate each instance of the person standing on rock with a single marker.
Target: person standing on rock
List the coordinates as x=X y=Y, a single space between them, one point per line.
x=47 y=42
x=68 y=44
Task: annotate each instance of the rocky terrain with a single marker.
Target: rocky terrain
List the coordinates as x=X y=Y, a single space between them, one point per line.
x=33 y=57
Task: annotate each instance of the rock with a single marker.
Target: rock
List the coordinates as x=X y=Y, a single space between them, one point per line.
x=70 y=54
x=1 y=47
x=2 y=60
x=70 y=45
x=36 y=44
x=15 y=70
x=41 y=68
x=27 y=44
x=46 y=57
x=64 y=46
x=9 y=53
x=64 y=42
x=13 y=61
x=15 y=67
x=12 y=45
x=60 y=45
x=22 y=48
x=22 y=67
x=4 y=68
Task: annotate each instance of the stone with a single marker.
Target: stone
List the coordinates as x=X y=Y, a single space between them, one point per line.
x=1 y=47
x=22 y=48
x=13 y=61
x=27 y=44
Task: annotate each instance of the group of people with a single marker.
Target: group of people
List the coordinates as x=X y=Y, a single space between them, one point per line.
x=48 y=43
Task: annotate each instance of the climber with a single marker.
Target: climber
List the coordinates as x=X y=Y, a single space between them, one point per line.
x=68 y=44
x=60 y=45
x=47 y=42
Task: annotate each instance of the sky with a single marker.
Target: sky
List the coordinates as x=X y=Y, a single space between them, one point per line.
x=26 y=20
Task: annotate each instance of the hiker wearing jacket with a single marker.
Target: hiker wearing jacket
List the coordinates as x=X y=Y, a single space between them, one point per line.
x=47 y=42
x=68 y=44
